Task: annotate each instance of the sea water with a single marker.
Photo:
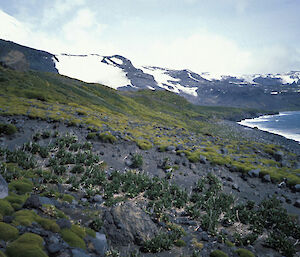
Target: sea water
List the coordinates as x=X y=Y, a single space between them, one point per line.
x=286 y=124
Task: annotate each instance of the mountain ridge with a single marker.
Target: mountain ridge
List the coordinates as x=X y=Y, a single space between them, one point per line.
x=272 y=92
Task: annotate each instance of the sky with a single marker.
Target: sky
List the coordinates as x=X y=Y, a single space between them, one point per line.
x=217 y=36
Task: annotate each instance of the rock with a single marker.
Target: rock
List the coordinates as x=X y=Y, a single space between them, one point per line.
x=33 y=202
x=281 y=199
x=8 y=219
x=297 y=188
x=266 y=178
x=204 y=236
x=254 y=173
x=98 y=199
x=230 y=179
x=100 y=244
x=54 y=248
x=63 y=223
x=282 y=184
x=169 y=170
x=236 y=187
x=46 y=200
x=177 y=161
x=127 y=223
x=278 y=156
x=53 y=239
x=202 y=159
x=297 y=203
x=3 y=188
x=185 y=221
x=79 y=253
x=179 y=147
x=170 y=148
x=224 y=151
x=193 y=166
x=128 y=162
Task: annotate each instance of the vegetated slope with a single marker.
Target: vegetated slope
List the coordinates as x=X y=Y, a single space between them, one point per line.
x=184 y=144
x=148 y=118
x=52 y=90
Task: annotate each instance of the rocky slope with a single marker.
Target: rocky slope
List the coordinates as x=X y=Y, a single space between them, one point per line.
x=80 y=195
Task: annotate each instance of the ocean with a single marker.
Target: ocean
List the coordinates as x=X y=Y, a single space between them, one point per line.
x=286 y=124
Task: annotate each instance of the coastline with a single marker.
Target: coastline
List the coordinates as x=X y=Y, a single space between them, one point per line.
x=261 y=124
x=262 y=136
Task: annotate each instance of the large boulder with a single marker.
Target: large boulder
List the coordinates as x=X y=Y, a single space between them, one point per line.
x=3 y=188
x=126 y=224
x=100 y=244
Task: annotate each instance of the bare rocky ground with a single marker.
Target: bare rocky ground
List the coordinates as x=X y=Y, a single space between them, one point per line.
x=118 y=156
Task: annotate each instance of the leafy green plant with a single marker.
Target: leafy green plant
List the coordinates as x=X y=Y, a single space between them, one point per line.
x=7 y=129
x=137 y=161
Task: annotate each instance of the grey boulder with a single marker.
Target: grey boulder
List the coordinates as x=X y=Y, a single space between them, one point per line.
x=3 y=188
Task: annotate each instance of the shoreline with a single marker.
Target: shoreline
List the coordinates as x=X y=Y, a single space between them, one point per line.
x=251 y=123
x=263 y=136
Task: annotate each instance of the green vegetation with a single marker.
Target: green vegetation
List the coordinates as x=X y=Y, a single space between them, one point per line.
x=8 y=232
x=27 y=217
x=218 y=253
x=144 y=144
x=27 y=245
x=21 y=186
x=164 y=241
x=5 y=208
x=137 y=161
x=244 y=253
x=72 y=238
x=107 y=137
x=7 y=129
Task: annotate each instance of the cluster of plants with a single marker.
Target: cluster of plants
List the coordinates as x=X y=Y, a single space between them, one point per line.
x=165 y=240
x=209 y=203
x=105 y=137
x=268 y=216
x=7 y=129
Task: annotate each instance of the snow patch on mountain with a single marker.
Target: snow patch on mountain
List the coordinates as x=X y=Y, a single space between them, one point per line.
x=165 y=81
x=89 y=68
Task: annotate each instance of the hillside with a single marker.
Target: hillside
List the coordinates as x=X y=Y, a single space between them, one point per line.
x=87 y=170
x=273 y=92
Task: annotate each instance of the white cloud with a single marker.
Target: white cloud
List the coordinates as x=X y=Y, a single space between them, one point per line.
x=200 y=52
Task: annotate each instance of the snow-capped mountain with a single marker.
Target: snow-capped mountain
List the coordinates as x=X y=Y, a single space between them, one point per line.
x=266 y=91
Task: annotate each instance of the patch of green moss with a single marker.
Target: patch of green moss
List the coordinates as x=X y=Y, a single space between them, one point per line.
x=218 y=253
x=27 y=245
x=72 y=238
x=229 y=243
x=90 y=232
x=21 y=186
x=5 y=208
x=79 y=231
x=144 y=144
x=107 y=137
x=48 y=224
x=24 y=217
x=244 y=253
x=8 y=232
x=68 y=198
x=16 y=201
